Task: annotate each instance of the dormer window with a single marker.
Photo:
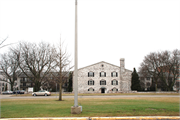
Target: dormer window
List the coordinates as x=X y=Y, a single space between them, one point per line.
x=114 y=74
x=102 y=74
x=90 y=74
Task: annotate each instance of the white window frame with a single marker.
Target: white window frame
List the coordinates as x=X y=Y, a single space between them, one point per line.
x=91 y=82
x=102 y=75
x=91 y=89
x=103 y=82
x=91 y=75
x=114 y=74
x=114 y=89
x=114 y=82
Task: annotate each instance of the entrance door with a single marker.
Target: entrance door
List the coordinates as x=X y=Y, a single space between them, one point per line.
x=102 y=90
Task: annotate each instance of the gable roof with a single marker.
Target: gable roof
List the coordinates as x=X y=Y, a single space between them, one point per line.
x=99 y=63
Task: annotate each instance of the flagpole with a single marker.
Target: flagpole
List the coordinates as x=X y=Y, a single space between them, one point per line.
x=76 y=61
x=76 y=109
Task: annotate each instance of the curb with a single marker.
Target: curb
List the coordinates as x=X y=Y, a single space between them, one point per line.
x=102 y=118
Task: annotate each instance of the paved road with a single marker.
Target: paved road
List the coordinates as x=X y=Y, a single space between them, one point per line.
x=118 y=96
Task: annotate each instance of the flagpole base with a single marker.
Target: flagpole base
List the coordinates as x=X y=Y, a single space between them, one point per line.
x=76 y=110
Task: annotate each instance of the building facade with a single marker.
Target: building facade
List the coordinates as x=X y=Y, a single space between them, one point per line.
x=145 y=82
x=23 y=83
x=104 y=77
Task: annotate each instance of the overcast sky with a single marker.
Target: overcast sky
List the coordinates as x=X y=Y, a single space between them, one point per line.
x=107 y=29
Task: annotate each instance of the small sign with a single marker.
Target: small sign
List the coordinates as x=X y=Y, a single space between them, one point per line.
x=30 y=89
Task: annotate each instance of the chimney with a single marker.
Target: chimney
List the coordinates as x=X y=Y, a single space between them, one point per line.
x=122 y=64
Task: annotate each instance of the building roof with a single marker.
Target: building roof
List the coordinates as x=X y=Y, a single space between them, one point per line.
x=101 y=63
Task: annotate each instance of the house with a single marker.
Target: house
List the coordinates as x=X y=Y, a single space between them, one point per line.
x=48 y=83
x=145 y=82
x=103 y=77
x=4 y=82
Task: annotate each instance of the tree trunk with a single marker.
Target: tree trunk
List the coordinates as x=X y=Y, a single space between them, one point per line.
x=156 y=86
x=37 y=86
x=12 y=86
x=60 y=91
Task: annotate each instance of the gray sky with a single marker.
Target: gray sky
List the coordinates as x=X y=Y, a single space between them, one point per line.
x=107 y=29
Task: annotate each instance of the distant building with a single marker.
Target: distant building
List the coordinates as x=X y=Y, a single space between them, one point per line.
x=3 y=83
x=23 y=83
x=147 y=81
x=103 y=77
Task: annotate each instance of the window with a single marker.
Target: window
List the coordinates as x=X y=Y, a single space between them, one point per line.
x=90 y=89
x=102 y=82
x=28 y=84
x=114 y=74
x=90 y=74
x=102 y=74
x=148 y=78
x=24 y=84
x=114 y=89
x=114 y=82
x=0 y=84
x=102 y=65
x=90 y=82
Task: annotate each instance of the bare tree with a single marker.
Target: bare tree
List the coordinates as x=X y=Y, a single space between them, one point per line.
x=9 y=66
x=62 y=68
x=149 y=67
x=162 y=66
x=2 y=41
x=35 y=61
x=170 y=68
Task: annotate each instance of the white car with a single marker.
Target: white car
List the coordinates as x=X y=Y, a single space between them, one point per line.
x=7 y=92
x=41 y=92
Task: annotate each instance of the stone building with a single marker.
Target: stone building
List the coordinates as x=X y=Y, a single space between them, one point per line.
x=104 y=77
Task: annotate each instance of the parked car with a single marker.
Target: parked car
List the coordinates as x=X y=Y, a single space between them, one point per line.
x=7 y=92
x=18 y=92
x=41 y=92
x=22 y=91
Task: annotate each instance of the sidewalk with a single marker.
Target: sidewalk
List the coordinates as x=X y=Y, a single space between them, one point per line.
x=102 y=118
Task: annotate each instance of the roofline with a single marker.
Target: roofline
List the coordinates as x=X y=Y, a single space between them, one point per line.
x=98 y=63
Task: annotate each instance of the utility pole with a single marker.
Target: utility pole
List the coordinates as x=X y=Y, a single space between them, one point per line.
x=76 y=109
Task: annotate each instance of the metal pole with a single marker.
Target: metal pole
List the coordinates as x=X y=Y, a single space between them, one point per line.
x=56 y=90
x=76 y=61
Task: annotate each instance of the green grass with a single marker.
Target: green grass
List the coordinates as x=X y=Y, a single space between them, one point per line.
x=17 y=108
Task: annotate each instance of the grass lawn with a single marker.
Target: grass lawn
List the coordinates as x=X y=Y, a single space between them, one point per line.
x=101 y=107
